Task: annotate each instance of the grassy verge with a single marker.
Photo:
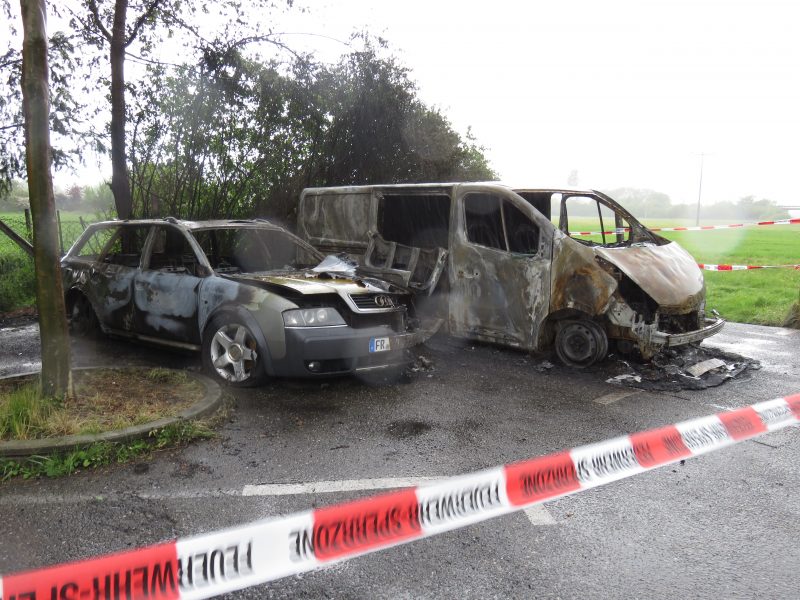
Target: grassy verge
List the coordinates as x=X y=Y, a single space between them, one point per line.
x=102 y=453
x=105 y=400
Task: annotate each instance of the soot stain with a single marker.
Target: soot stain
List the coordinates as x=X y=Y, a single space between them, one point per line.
x=403 y=430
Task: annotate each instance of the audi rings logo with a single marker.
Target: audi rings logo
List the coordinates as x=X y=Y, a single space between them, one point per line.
x=384 y=301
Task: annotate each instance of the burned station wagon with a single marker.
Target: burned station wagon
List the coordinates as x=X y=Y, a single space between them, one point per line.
x=490 y=261
x=253 y=298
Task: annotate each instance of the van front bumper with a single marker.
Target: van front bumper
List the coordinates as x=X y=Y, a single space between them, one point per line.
x=711 y=327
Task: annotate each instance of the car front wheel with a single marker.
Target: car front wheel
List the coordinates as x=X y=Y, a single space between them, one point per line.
x=231 y=353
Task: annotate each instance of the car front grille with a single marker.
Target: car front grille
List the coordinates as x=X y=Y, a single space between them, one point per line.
x=376 y=301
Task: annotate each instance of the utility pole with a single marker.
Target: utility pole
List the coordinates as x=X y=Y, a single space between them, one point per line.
x=700 y=189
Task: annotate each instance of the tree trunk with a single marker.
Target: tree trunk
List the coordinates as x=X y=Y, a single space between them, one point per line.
x=120 y=183
x=49 y=289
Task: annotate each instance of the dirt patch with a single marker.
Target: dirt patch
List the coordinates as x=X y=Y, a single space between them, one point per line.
x=112 y=399
x=676 y=369
x=19 y=317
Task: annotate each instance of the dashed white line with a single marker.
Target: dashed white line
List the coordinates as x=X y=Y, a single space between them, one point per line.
x=327 y=487
x=538 y=515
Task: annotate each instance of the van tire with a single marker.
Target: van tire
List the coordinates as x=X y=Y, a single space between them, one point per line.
x=580 y=344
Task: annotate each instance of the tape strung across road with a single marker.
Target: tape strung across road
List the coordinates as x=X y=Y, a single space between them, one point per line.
x=707 y=267
x=215 y=563
x=622 y=230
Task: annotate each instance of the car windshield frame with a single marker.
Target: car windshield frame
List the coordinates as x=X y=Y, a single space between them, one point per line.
x=222 y=265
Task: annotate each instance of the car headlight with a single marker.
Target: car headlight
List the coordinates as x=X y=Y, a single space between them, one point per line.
x=312 y=317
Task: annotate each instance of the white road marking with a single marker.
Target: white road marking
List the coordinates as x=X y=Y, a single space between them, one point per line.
x=538 y=515
x=614 y=397
x=327 y=487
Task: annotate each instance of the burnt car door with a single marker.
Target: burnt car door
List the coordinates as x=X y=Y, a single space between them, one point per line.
x=500 y=253
x=167 y=287
x=115 y=254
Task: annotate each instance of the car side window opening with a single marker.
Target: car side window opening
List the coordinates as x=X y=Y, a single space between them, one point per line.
x=126 y=247
x=496 y=223
x=93 y=246
x=171 y=252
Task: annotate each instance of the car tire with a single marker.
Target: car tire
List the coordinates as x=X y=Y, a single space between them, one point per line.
x=83 y=320
x=232 y=354
x=580 y=344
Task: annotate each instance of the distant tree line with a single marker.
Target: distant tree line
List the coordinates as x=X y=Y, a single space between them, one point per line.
x=649 y=204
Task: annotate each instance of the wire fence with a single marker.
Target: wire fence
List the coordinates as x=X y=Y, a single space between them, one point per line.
x=17 y=287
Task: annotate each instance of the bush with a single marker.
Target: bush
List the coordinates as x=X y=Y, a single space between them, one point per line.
x=17 y=282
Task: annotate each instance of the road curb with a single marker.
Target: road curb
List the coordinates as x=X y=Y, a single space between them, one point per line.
x=208 y=404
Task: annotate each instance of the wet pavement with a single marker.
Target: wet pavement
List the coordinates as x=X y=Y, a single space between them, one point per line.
x=722 y=525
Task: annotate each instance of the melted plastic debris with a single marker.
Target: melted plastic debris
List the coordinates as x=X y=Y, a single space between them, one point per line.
x=338 y=264
x=673 y=369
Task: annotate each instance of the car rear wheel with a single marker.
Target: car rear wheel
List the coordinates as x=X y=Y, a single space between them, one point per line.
x=581 y=343
x=231 y=353
x=82 y=318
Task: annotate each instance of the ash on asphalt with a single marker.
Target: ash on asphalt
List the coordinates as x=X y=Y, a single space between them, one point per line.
x=668 y=371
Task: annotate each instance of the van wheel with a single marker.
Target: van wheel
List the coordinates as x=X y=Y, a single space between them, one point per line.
x=602 y=340
x=83 y=321
x=581 y=343
x=231 y=353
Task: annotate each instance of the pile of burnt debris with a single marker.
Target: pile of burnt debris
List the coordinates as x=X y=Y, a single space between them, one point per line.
x=681 y=368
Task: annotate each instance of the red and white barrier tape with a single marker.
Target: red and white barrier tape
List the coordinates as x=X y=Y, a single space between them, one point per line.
x=744 y=267
x=693 y=228
x=215 y=563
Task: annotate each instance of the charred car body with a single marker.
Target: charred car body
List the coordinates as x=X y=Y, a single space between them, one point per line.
x=491 y=262
x=254 y=298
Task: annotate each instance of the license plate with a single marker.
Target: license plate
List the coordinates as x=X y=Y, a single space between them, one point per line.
x=379 y=344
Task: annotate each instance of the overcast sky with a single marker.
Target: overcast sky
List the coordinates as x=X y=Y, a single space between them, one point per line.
x=627 y=92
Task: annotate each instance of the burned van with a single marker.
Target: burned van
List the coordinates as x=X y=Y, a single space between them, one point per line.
x=492 y=263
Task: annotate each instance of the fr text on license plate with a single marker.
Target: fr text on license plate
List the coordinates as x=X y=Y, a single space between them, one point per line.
x=379 y=344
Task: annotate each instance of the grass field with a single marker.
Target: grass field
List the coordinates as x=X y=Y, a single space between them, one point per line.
x=763 y=296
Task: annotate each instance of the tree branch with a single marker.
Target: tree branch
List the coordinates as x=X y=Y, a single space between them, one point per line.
x=141 y=20
x=96 y=18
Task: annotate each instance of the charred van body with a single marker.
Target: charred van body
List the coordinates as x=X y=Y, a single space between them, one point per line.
x=491 y=262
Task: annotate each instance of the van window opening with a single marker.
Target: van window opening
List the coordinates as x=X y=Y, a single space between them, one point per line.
x=582 y=214
x=416 y=220
x=495 y=222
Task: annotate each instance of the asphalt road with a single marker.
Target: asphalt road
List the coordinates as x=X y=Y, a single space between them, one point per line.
x=720 y=526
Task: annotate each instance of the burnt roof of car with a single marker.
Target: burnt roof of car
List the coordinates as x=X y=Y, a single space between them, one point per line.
x=210 y=224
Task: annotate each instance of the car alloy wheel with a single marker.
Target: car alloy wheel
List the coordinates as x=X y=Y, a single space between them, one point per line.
x=233 y=353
